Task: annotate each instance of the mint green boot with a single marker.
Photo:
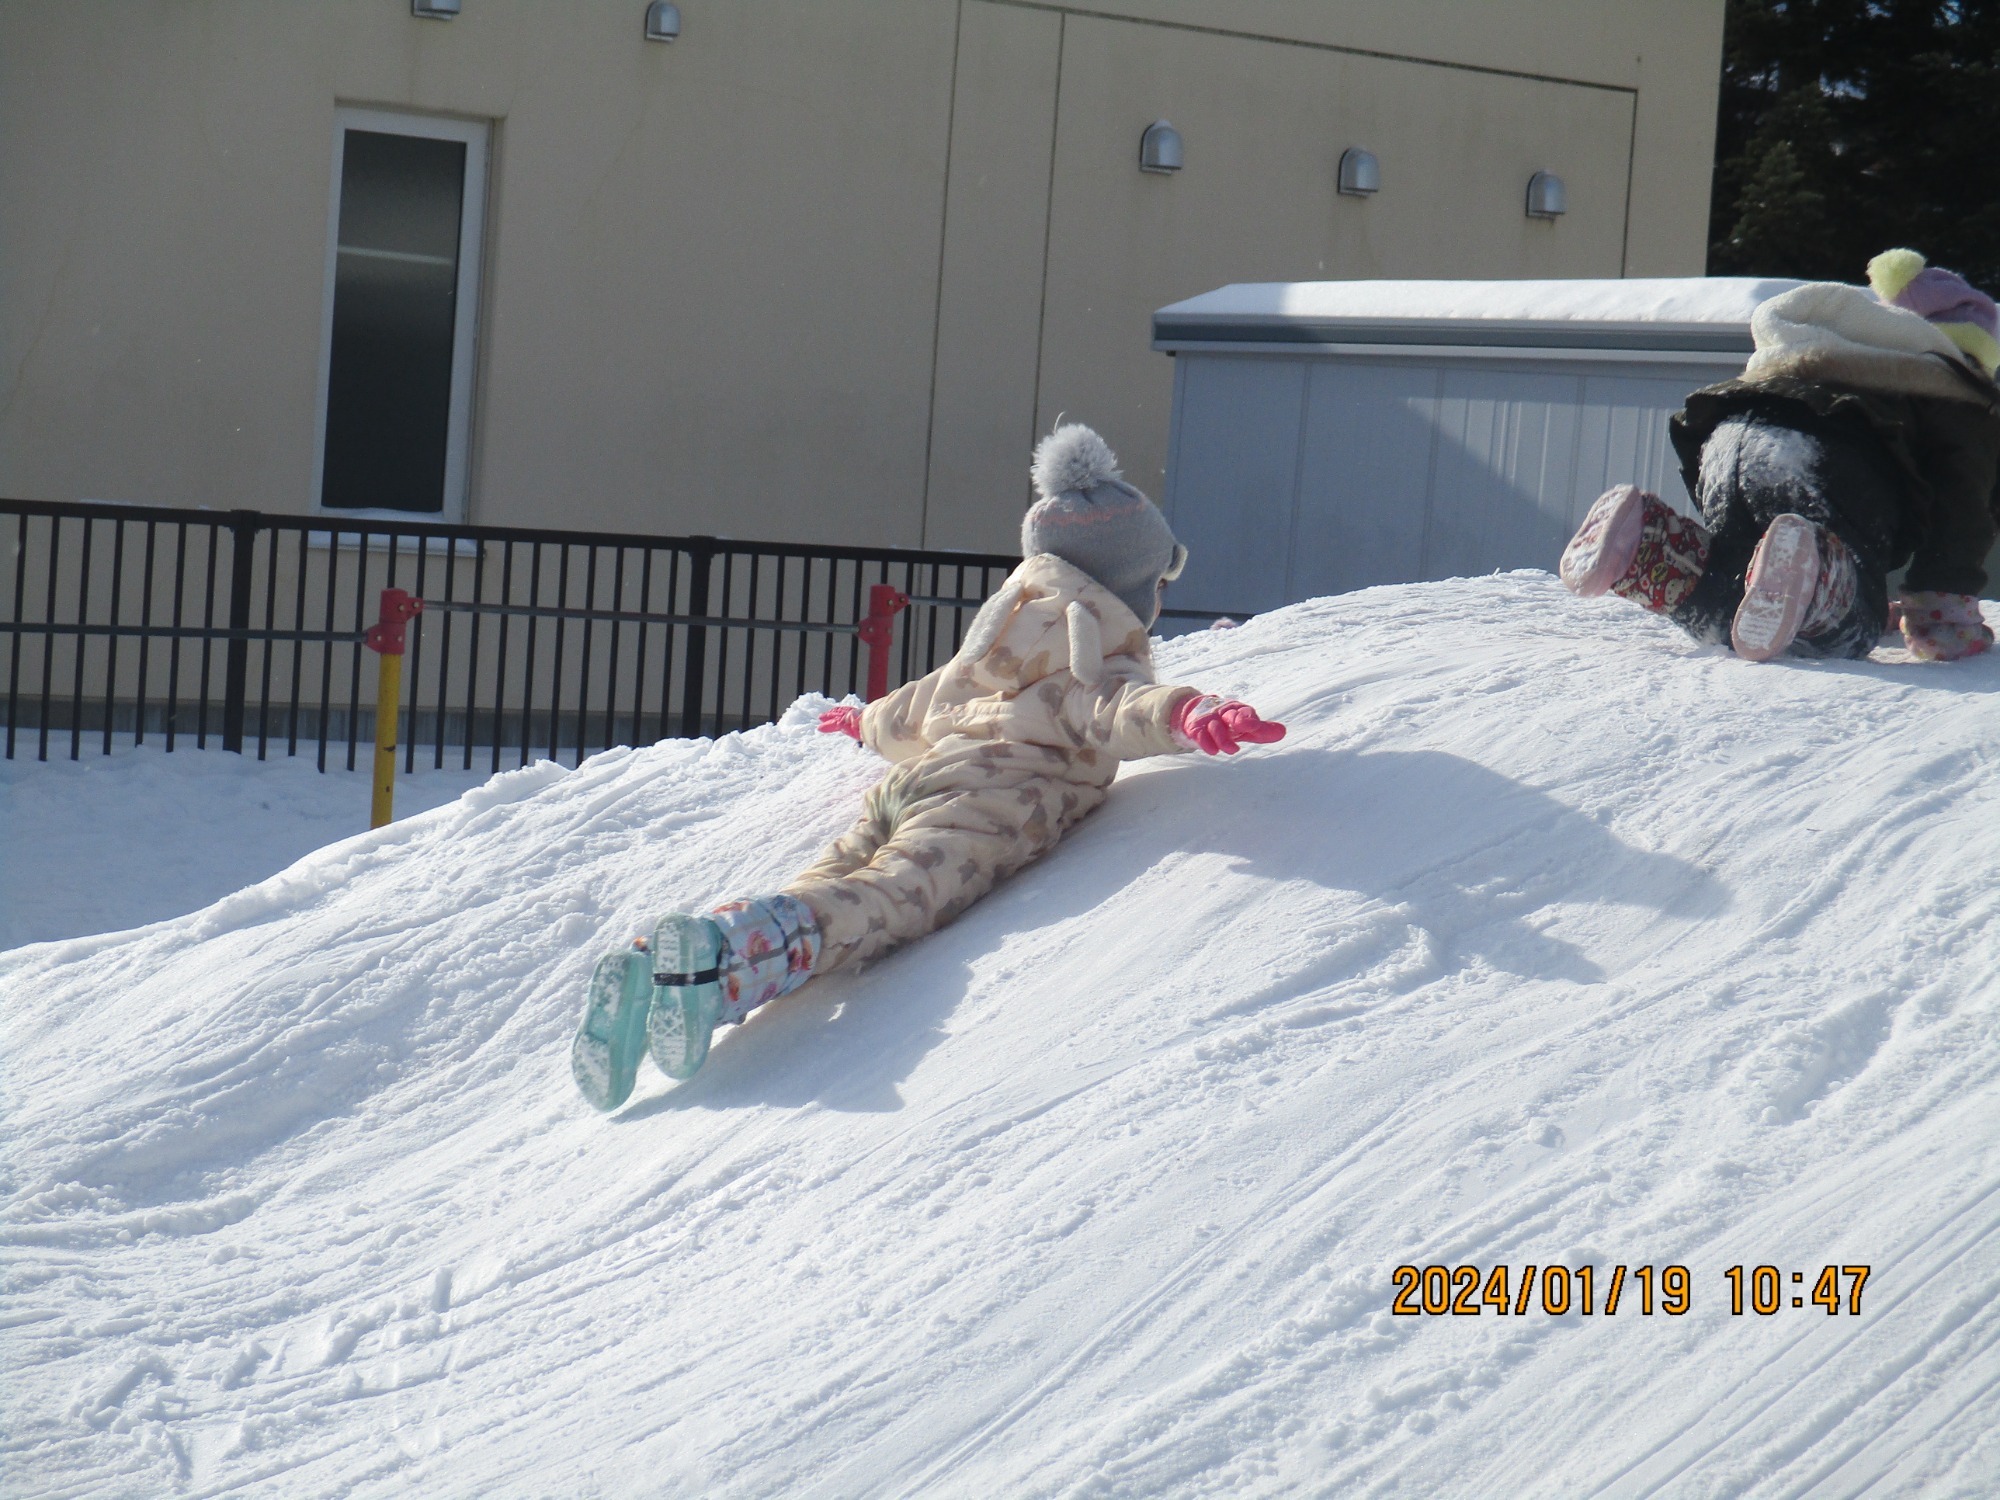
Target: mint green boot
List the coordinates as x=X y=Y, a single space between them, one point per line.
x=714 y=970
x=604 y=1058
x=686 y=990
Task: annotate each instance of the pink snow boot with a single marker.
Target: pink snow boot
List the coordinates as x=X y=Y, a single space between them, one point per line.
x=1801 y=580
x=1634 y=545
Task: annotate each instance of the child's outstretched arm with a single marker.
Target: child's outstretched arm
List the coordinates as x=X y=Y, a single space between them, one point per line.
x=1133 y=719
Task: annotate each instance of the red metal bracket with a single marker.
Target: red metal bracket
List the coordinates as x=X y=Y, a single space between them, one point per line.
x=398 y=609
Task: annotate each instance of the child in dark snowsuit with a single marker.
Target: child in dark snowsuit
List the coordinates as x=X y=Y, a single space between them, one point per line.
x=994 y=756
x=1864 y=434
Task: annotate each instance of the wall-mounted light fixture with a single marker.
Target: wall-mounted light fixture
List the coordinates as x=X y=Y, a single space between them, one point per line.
x=663 y=21
x=1360 y=174
x=434 y=10
x=1546 y=199
x=1160 y=148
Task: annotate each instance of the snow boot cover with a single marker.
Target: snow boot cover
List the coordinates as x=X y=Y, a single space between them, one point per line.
x=668 y=996
x=1801 y=580
x=1634 y=545
x=1943 y=627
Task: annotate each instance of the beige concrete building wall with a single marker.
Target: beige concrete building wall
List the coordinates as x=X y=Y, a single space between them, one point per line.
x=820 y=269
x=1256 y=200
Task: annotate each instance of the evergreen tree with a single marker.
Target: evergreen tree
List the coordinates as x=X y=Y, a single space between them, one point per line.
x=1850 y=126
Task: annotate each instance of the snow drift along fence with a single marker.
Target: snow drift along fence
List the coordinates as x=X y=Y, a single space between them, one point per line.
x=237 y=628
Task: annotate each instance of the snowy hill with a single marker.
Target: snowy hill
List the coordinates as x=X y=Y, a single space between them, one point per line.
x=1546 y=938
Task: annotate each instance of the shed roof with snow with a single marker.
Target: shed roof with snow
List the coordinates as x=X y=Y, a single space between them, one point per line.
x=1334 y=435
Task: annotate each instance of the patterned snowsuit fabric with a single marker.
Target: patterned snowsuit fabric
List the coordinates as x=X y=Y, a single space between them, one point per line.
x=997 y=754
x=1672 y=553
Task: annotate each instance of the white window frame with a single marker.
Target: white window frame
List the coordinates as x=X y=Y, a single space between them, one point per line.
x=476 y=134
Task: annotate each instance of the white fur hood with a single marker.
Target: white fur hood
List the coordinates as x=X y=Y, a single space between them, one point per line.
x=1827 y=330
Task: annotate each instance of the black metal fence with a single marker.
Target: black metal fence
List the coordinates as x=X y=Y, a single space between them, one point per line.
x=130 y=623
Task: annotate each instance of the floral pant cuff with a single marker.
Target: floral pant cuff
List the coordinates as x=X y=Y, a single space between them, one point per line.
x=772 y=945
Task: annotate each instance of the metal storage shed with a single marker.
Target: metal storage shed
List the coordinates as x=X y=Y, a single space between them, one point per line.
x=1332 y=435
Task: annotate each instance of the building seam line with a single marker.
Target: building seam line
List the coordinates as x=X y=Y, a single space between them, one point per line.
x=1048 y=232
x=937 y=306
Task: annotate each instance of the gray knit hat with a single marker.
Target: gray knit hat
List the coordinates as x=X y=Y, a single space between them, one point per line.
x=1095 y=521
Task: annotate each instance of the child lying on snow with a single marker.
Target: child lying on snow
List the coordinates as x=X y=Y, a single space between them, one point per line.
x=1862 y=435
x=996 y=755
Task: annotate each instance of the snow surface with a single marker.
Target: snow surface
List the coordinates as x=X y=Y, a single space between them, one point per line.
x=112 y=841
x=1638 y=299
x=1547 y=936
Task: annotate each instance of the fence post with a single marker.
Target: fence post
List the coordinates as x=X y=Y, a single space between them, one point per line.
x=692 y=685
x=877 y=630
x=243 y=528
x=385 y=639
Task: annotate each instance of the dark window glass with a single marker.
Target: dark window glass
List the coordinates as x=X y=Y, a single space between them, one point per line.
x=395 y=291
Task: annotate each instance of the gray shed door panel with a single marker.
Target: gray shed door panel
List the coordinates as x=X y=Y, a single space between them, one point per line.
x=1239 y=449
x=1506 y=461
x=1367 y=462
x=1629 y=436
x=1299 y=476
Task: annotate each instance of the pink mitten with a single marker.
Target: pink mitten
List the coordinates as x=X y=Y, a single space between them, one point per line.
x=1943 y=627
x=843 y=720
x=1218 y=727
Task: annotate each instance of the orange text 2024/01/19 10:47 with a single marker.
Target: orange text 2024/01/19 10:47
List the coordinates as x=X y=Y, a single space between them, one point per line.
x=1503 y=1291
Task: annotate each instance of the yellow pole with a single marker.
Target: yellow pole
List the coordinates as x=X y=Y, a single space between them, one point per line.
x=388 y=703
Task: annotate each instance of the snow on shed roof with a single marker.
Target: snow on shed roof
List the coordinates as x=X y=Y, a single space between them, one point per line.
x=1684 y=312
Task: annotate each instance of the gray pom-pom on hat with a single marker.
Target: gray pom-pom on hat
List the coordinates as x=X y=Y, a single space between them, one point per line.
x=1092 y=519
x=1072 y=458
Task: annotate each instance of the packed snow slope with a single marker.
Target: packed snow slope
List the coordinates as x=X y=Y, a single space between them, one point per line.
x=118 y=840
x=1547 y=937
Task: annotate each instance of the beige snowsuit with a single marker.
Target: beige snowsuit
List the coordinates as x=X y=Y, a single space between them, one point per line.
x=997 y=754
